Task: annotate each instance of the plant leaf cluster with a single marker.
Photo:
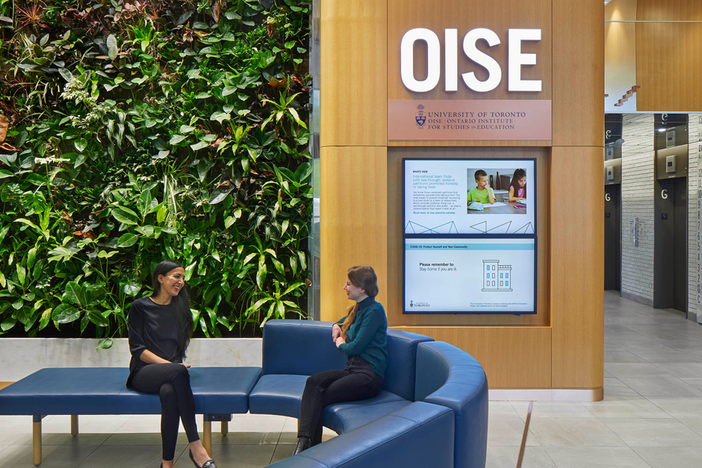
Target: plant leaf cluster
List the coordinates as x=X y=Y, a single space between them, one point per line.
x=142 y=130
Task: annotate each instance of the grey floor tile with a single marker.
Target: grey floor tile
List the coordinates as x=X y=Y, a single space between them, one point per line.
x=668 y=355
x=626 y=409
x=693 y=423
x=92 y=424
x=654 y=432
x=683 y=370
x=282 y=451
x=658 y=387
x=595 y=457
x=680 y=407
x=118 y=456
x=15 y=438
x=697 y=383
x=142 y=439
x=555 y=409
x=259 y=423
x=56 y=456
x=586 y=432
x=246 y=438
x=638 y=370
x=507 y=431
x=506 y=457
x=68 y=439
x=671 y=457
x=16 y=424
x=615 y=390
x=502 y=408
x=235 y=456
x=623 y=356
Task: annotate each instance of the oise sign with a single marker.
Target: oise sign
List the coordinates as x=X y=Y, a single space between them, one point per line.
x=516 y=59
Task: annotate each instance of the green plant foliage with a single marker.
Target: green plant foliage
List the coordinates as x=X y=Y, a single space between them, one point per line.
x=142 y=130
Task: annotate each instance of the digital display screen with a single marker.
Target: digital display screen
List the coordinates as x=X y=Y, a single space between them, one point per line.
x=469 y=236
x=485 y=275
x=475 y=196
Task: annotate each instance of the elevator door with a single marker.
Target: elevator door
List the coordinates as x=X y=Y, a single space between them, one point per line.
x=613 y=236
x=670 y=272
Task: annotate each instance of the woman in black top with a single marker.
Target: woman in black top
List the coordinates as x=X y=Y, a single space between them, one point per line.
x=159 y=334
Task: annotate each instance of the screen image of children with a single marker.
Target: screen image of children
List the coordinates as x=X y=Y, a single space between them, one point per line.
x=482 y=192
x=517 y=188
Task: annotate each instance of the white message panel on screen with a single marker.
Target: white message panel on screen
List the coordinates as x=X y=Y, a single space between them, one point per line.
x=469 y=196
x=474 y=275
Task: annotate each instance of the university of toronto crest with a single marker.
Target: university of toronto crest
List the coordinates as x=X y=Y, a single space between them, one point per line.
x=420 y=118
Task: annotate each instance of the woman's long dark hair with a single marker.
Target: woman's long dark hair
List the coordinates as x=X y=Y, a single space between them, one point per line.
x=365 y=278
x=181 y=303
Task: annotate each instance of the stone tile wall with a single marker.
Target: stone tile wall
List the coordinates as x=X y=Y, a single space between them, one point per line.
x=637 y=202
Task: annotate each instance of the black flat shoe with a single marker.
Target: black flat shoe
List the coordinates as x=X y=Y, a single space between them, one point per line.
x=303 y=443
x=207 y=464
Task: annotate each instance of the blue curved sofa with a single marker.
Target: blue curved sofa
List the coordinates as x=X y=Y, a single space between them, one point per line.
x=431 y=412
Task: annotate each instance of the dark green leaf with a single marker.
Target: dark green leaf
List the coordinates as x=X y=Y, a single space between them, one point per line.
x=65 y=313
x=127 y=240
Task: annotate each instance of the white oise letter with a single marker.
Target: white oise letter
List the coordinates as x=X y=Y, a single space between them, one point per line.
x=517 y=59
x=482 y=59
x=451 y=58
x=407 y=60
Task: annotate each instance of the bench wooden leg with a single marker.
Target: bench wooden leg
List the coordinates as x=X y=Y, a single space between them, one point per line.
x=225 y=428
x=36 y=440
x=207 y=436
x=74 y=425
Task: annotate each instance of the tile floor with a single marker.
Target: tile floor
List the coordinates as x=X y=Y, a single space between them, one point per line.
x=651 y=415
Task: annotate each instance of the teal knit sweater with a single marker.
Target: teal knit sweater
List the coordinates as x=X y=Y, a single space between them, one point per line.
x=367 y=335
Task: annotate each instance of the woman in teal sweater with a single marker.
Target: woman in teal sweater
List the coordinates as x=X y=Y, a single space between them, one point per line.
x=362 y=335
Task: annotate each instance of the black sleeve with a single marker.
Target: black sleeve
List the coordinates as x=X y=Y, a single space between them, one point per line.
x=136 y=330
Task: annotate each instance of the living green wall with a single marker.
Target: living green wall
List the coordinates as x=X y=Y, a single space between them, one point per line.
x=141 y=130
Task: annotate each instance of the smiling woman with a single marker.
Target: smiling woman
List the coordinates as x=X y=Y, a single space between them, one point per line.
x=159 y=333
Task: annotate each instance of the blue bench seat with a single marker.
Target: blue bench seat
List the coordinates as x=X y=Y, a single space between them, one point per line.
x=102 y=390
x=419 y=434
x=219 y=392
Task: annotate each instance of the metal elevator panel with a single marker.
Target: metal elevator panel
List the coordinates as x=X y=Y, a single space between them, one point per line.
x=613 y=237
x=670 y=286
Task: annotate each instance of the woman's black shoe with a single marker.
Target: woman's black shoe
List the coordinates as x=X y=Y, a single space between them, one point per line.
x=207 y=464
x=303 y=443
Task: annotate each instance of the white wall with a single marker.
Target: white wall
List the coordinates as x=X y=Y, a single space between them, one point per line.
x=694 y=136
x=24 y=356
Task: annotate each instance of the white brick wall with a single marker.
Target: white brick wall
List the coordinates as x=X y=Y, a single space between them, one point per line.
x=694 y=126
x=637 y=202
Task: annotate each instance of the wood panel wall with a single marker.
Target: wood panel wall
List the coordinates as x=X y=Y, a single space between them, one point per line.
x=668 y=59
x=361 y=198
x=353 y=77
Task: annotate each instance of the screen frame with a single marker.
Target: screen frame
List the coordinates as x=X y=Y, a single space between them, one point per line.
x=406 y=236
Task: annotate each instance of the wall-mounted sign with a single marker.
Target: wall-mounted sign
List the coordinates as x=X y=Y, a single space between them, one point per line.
x=481 y=70
x=516 y=59
x=445 y=119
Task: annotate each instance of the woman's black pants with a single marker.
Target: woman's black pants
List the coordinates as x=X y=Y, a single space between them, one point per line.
x=356 y=382
x=172 y=383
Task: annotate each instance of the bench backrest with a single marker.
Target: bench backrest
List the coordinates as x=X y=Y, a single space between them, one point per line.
x=400 y=375
x=450 y=377
x=300 y=347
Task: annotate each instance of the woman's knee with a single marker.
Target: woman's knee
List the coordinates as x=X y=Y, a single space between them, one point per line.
x=167 y=393
x=180 y=373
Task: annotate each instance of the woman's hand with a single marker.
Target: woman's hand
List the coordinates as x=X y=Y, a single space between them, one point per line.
x=336 y=332
x=149 y=357
x=339 y=341
x=187 y=366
